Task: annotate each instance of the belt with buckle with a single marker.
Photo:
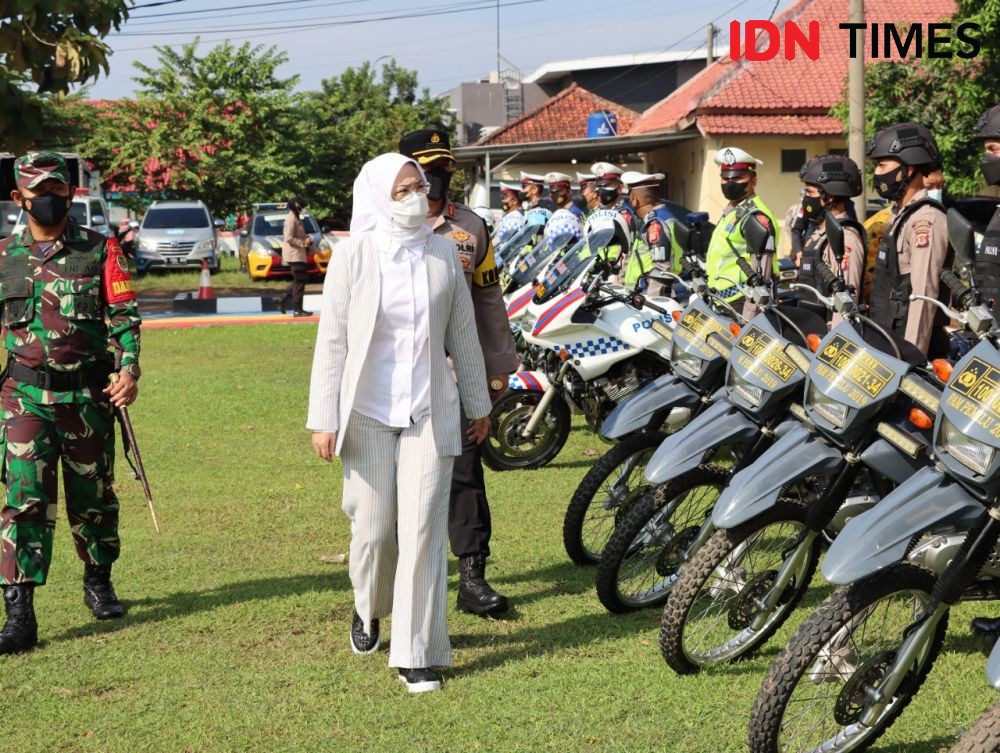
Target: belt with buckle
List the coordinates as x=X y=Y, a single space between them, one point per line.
x=59 y=381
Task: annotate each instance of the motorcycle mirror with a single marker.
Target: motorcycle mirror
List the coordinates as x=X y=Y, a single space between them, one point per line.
x=757 y=233
x=835 y=236
x=962 y=238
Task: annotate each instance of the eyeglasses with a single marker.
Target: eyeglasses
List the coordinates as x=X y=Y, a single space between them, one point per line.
x=401 y=192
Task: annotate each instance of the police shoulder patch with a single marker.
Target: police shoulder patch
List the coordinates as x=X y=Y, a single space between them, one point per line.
x=654 y=232
x=922 y=233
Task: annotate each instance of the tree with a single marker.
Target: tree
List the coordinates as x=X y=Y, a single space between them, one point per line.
x=947 y=94
x=216 y=127
x=353 y=118
x=49 y=46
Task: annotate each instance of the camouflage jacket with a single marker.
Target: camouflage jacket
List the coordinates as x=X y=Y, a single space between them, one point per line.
x=64 y=303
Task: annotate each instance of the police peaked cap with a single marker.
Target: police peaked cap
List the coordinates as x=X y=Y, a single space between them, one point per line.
x=910 y=143
x=605 y=171
x=558 y=179
x=634 y=179
x=509 y=188
x=426 y=145
x=838 y=176
x=735 y=161
x=585 y=178
x=988 y=126
x=530 y=179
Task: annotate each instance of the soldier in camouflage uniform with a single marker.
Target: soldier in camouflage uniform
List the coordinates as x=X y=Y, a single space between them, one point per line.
x=66 y=294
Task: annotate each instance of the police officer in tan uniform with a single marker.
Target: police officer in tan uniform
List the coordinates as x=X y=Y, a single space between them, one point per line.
x=914 y=248
x=469 y=524
x=830 y=182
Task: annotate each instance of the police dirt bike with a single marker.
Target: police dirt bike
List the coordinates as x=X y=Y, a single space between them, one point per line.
x=855 y=664
x=637 y=425
x=772 y=521
x=688 y=471
x=590 y=353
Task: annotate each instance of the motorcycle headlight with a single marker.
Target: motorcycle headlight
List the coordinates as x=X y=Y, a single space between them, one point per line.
x=969 y=452
x=747 y=392
x=831 y=410
x=528 y=322
x=687 y=364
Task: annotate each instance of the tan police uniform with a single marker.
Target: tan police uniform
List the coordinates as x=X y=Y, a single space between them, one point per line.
x=467 y=231
x=922 y=244
x=854 y=262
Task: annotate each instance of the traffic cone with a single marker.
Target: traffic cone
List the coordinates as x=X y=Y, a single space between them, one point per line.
x=205 y=291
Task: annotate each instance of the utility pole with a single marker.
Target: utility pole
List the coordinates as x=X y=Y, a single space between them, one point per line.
x=710 y=46
x=498 y=42
x=856 y=102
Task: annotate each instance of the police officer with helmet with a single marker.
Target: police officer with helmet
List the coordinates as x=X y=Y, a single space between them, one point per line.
x=830 y=182
x=655 y=248
x=738 y=178
x=914 y=248
x=561 y=192
x=469 y=524
x=608 y=187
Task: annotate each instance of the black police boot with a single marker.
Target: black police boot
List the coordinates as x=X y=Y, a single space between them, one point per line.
x=474 y=593
x=988 y=627
x=99 y=594
x=21 y=631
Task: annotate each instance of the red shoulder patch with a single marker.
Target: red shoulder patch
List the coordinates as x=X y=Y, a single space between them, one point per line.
x=116 y=282
x=653 y=232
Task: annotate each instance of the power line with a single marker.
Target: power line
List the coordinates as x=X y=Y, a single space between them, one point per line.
x=326 y=23
x=274 y=31
x=284 y=4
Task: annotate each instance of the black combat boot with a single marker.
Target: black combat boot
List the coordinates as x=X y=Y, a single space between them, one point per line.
x=21 y=631
x=99 y=594
x=988 y=627
x=474 y=593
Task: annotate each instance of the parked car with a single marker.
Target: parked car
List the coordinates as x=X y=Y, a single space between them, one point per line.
x=86 y=210
x=260 y=244
x=177 y=235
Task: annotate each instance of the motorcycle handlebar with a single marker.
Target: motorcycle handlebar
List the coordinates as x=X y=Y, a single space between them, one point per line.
x=961 y=293
x=828 y=281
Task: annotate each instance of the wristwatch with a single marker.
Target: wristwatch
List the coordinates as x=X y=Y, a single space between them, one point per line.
x=133 y=369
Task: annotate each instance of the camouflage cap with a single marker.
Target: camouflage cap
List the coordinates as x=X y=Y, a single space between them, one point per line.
x=35 y=167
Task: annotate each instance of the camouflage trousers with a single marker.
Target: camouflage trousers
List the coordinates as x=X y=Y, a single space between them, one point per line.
x=36 y=437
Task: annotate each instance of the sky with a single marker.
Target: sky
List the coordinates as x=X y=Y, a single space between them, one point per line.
x=446 y=41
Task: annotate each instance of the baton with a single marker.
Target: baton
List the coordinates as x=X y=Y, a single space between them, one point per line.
x=128 y=434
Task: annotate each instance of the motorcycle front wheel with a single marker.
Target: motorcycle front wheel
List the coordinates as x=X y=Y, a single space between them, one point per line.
x=984 y=735
x=605 y=494
x=708 y=618
x=640 y=562
x=819 y=686
x=506 y=450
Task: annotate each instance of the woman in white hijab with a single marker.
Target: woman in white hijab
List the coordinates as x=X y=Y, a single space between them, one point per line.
x=382 y=397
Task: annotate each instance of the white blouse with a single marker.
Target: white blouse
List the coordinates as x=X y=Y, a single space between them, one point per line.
x=395 y=384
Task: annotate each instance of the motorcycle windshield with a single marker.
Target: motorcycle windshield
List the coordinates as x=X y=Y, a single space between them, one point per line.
x=522 y=238
x=567 y=269
x=507 y=228
x=552 y=249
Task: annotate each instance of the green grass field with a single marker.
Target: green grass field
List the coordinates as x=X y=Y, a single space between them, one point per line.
x=236 y=636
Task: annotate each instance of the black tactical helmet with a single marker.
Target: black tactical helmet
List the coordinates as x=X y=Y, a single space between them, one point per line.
x=910 y=143
x=838 y=176
x=988 y=126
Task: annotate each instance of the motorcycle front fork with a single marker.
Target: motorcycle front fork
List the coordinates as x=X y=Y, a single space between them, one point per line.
x=543 y=405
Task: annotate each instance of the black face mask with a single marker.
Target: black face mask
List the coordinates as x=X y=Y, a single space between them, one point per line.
x=607 y=196
x=812 y=208
x=522 y=195
x=438 y=179
x=891 y=186
x=990 y=167
x=736 y=191
x=48 y=209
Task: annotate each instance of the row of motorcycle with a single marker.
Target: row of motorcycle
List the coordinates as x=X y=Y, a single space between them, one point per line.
x=743 y=449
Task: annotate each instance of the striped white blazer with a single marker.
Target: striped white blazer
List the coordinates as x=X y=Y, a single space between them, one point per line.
x=351 y=297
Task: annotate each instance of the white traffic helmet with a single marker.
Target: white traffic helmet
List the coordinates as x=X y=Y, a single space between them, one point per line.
x=607 y=227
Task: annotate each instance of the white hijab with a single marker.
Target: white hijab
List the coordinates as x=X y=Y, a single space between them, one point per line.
x=373 y=204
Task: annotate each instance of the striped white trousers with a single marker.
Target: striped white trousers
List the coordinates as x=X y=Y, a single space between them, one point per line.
x=396 y=491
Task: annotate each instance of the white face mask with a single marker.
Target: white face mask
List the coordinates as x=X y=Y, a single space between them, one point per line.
x=936 y=193
x=411 y=211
